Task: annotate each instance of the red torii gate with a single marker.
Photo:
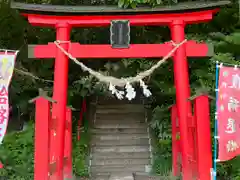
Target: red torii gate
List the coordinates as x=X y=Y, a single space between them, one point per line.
x=175 y=18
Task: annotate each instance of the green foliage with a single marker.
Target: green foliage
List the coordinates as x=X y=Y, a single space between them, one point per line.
x=80 y=154
x=80 y=151
x=135 y=3
x=17 y=154
x=119 y=3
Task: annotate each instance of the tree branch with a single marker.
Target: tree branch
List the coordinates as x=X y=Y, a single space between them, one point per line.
x=25 y=73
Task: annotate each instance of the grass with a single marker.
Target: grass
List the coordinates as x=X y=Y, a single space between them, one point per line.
x=80 y=155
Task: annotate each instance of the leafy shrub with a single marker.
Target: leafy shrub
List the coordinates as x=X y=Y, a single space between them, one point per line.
x=17 y=154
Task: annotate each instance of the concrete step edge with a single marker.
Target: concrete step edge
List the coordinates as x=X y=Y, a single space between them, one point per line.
x=120 y=126
x=117 y=144
x=118 y=131
x=120 y=162
x=117 y=155
x=119 y=105
x=117 y=168
x=125 y=111
x=120 y=136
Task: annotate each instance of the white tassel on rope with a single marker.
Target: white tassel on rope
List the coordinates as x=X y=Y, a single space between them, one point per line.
x=131 y=93
x=146 y=91
x=116 y=92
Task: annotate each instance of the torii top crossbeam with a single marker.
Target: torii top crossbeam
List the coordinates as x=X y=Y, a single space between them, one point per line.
x=89 y=16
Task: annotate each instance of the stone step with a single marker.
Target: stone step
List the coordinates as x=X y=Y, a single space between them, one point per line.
x=112 y=176
x=134 y=142
x=103 y=176
x=124 y=176
x=116 y=168
x=120 y=126
x=118 y=131
x=119 y=137
x=121 y=149
x=121 y=121
x=119 y=141
x=145 y=176
x=125 y=117
x=113 y=100
x=121 y=176
x=121 y=106
x=117 y=110
x=120 y=114
x=107 y=162
x=119 y=155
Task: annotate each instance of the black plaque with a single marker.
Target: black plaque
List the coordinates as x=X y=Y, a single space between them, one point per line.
x=120 y=34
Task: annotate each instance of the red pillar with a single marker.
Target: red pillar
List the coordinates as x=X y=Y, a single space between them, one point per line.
x=60 y=93
x=182 y=91
x=68 y=146
x=41 y=158
x=192 y=145
x=202 y=117
x=175 y=150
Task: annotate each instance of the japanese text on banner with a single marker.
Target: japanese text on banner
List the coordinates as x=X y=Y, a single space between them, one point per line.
x=228 y=114
x=7 y=62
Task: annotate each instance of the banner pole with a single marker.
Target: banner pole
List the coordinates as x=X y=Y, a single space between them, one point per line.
x=216 y=124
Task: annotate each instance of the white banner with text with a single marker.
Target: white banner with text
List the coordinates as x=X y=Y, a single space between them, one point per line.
x=7 y=61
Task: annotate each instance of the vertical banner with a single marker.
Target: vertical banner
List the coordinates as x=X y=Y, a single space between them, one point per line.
x=228 y=111
x=7 y=61
x=214 y=170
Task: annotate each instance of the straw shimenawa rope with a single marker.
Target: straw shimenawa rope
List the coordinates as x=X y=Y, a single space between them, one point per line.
x=122 y=81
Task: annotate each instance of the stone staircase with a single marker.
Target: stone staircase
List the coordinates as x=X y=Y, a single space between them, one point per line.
x=120 y=141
